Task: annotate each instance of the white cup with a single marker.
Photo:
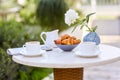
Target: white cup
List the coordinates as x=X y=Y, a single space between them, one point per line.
x=88 y=48
x=32 y=47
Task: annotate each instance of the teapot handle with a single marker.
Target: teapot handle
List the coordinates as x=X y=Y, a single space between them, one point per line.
x=41 y=35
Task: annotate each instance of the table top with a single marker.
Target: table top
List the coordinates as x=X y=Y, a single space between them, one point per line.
x=60 y=59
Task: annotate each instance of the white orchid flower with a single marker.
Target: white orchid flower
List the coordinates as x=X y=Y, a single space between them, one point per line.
x=71 y=16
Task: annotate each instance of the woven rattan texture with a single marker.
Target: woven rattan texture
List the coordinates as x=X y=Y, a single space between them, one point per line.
x=68 y=74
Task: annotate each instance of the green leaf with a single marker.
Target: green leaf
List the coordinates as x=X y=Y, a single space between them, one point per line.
x=81 y=27
x=83 y=20
x=88 y=16
x=74 y=28
x=94 y=28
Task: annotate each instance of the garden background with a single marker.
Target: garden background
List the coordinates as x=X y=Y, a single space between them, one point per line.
x=24 y=20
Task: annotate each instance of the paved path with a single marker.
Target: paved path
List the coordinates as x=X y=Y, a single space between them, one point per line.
x=104 y=72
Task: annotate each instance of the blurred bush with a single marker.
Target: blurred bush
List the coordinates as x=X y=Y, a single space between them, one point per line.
x=27 y=13
x=14 y=34
x=50 y=14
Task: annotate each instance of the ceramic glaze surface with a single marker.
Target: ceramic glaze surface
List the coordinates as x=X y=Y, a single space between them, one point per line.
x=67 y=47
x=92 y=37
x=50 y=37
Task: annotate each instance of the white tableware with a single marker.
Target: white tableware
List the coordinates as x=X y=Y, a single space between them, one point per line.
x=25 y=53
x=46 y=47
x=67 y=47
x=32 y=47
x=95 y=54
x=50 y=37
x=88 y=49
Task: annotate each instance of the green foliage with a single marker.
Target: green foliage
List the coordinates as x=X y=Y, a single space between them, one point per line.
x=14 y=34
x=50 y=14
x=6 y=66
x=88 y=17
x=36 y=75
x=27 y=13
x=28 y=16
x=84 y=23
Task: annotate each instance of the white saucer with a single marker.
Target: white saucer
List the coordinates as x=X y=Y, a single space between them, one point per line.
x=47 y=48
x=97 y=52
x=23 y=52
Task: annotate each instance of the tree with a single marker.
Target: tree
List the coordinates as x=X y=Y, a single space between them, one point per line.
x=50 y=14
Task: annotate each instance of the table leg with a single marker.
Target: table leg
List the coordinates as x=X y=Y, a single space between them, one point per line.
x=68 y=73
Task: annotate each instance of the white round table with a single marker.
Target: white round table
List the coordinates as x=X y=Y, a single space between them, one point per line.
x=67 y=65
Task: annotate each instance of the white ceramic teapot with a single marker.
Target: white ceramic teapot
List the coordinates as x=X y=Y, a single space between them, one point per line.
x=50 y=37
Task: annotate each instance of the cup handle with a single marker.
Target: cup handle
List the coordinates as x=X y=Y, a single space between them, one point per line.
x=24 y=46
x=41 y=35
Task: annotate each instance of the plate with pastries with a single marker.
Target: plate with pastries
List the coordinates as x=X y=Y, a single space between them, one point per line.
x=67 y=42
